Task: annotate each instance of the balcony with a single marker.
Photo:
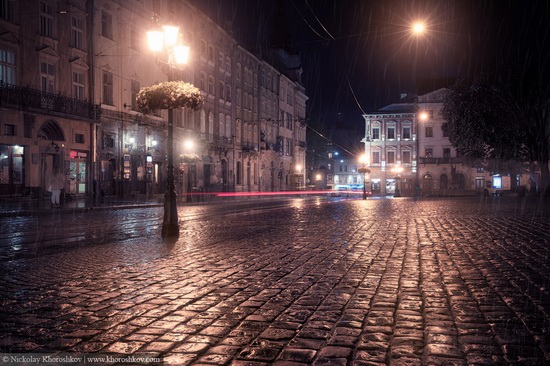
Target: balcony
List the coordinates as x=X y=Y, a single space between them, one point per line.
x=439 y=161
x=47 y=103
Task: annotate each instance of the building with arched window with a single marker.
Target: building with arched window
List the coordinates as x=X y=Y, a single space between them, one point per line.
x=408 y=150
x=70 y=72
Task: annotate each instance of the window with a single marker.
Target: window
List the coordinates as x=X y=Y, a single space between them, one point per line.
x=227 y=63
x=376 y=133
x=77 y=33
x=79 y=138
x=107 y=88
x=135 y=39
x=46 y=19
x=210 y=53
x=221 y=60
x=228 y=92
x=288 y=151
x=406 y=133
x=376 y=157
x=289 y=121
x=203 y=48
x=429 y=152
x=445 y=130
x=203 y=81
x=221 y=89
x=47 y=77
x=6 y=10
x=391 y=133
x=106 y=24
x=390 y=155
x=446 y=153
x=135 y=87
x=9 y=129
x=78 y=85
x=429 y=131
x=406 y=157
x=178 y=118
x=108 y=142
x=211 y=85
x=7 y=66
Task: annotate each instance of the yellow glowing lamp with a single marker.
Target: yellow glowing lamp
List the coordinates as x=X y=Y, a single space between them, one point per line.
x=155 y=40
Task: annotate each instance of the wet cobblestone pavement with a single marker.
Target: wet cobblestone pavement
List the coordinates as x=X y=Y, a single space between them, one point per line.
x=312 y=282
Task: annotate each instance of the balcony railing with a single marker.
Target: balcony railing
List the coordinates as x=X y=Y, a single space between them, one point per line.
x=439 y=160
x=48 y=103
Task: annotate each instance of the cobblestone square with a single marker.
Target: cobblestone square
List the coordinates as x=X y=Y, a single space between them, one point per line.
x=461 y=281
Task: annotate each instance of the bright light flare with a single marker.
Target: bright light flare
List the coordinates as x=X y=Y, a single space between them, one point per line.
x=419 y=27
x=423 y=116
x=188 y=145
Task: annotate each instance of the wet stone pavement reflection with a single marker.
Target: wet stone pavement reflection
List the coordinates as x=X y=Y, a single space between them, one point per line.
x=312 y=282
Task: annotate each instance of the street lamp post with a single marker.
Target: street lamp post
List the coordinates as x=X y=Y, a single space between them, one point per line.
x=177 y=54
x=364 y=161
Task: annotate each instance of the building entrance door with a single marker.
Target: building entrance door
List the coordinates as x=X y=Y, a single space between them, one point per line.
x=77 y=177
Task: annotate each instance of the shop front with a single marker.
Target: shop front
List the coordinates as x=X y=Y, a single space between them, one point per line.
x=12 y=173
x=76 y=168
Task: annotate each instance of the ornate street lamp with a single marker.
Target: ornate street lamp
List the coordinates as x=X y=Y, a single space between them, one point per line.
x=169 y=95
x=363 y=169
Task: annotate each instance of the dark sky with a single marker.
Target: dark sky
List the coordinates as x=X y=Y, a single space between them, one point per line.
x=360 y=55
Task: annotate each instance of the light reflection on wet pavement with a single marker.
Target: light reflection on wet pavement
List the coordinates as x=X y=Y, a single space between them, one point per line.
x=307 y=281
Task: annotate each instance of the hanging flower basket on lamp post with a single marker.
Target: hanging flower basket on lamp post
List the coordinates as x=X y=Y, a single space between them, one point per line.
x=169 y=95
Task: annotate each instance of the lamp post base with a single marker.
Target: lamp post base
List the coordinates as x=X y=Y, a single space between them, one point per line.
x=170 y=231
x=170 y=226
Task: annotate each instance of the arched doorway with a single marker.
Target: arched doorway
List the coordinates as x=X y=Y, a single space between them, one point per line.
x=51 y=154
x=427 y=184
x=443 y=181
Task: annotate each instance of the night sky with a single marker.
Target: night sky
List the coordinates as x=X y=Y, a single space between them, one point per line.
x=360 y=55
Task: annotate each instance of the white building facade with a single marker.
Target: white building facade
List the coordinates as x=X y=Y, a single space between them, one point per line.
x=407 y=150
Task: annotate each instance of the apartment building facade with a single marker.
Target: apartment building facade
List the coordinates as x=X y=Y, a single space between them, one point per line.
x=407 y=150
x=70 y=74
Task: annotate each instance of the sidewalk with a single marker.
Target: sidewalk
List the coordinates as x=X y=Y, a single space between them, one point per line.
x=25 y=206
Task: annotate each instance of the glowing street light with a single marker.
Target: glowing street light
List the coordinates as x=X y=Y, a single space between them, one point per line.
x=418 y=28
x=166 y=41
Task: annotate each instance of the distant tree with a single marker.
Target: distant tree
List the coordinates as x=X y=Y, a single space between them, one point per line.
x=499 y=122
